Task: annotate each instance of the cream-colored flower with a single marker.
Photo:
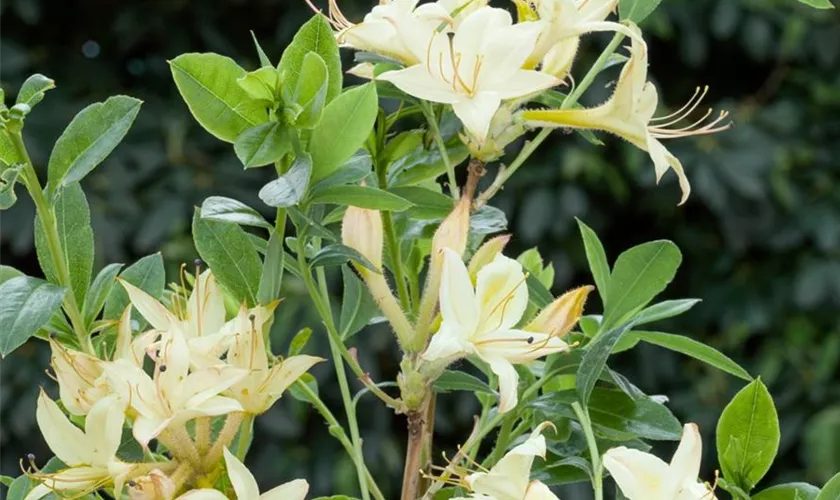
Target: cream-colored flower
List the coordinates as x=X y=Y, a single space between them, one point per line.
x=510 y=478
x=481 y=320
x=263 y=385
x=629 y=115
x=642 y=476
x=153 y=486
x=172 y=395
x=90 y=454
x=361 y=230
x=475 y=67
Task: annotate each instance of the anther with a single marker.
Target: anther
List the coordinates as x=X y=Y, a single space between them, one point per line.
x=132 y=483
x=530 y=340
x=53 y=335
x=198 y=263
x=30 y=457
x=162 y=368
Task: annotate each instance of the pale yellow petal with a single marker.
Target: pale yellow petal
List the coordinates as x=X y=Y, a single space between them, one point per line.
x=685 y=465
x=539 y=491
x=519 y=346
x=418 y=82
x=477 y=112
x=450 y=342
x=293 y=490
x=508 y=382
x=147 y=428
x=149 y=307
x=67 y=441
x=286 y=373
x=457 y=298
x=103 y=428
x=243 y=482
x=202 y=385
x=639 y=475
x=502 y=295
x=203 y=494
x=523 y=82
x=663 y=160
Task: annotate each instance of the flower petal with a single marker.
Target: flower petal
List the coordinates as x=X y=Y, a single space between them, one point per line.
x=502 y=294
x=147 y=428
x=477 y=112
x=685 y=465
x=293 y=490
x=539 y=491
x=203 y=494
x=243 y=482
x=663 y=160
x=508 y=382
x=201 y=385
x=67 y=441
x=418 y=82
x=450 y=342
x=149 y=307
x=103 y=428
x=287 y=372
x=524 y=82
x=457 y=298
x=639 y=475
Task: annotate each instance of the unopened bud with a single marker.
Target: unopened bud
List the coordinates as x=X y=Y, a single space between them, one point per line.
x=453 y=231
x=155 y=486
x=361 y=230
x=559 y=317
x=486 y=253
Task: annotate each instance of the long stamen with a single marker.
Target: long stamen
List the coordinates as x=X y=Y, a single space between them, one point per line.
x=660 y=130
x=503 y=303
x=686 y=105
x=685 y=114
x=709 y=128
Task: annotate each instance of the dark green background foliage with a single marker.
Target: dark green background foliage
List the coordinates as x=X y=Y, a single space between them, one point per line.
x=760 y=234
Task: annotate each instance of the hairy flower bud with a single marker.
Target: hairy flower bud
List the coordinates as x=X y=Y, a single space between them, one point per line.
x=559 y=317
x=154 y=486
x=486 y=253
x=453 y=231
x=361 y=230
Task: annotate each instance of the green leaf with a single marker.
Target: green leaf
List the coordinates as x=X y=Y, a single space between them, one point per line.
x=8 y=181
x=597 y=259
x=299 y=341
x=422 y=164
x=288 y=189
x=636 y=10
x=337 y=254
x=831 y=490
x=147 y=274
x=357 y=305
x=818 y=4
x=32 y=90
x=305 y=102
x=316 y=36
x=594 y=360
x=362 y=197
x=638 y=276
x=663 y=310
x=89 y=138
x=28 y=303
x=221 y=209
x=207 y=83
x=231 y=256
x=309 y=380
x=263 y=145
x=538 y=294
x=748 y=436
x=452 y=380
x=264 y=60
x=789 y=491
x=356 y=168
x=75 y=235
x=694 y=349
x=7 y=273
x=99 y=291
x=271 y=277
x=261 y=84
x=343 y=129
x=306 y=226
x=428 y=204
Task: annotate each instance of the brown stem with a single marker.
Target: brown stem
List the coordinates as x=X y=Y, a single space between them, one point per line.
x=475 y=171
x=428 y=441
x=413 y=452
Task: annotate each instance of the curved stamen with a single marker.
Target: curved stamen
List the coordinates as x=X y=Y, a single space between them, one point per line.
x=688 y=103
x=683 y=113
x=693 y=129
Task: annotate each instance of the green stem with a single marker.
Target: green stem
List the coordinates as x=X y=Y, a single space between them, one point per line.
x=450 y=169
x=595 y=456
x=501 y=442
x=321 y=301
x=392 y=245
x=337 y=432
x=531 y=146
x=50 y=227
x=246 y=429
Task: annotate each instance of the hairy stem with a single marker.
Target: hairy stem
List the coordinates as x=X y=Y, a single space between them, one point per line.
x=177 y=441
x=595 y=456
x=226 y=436
x=392 y=246
x=202 y=435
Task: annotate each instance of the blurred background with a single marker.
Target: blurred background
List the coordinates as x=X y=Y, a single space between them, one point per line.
x=760 y=234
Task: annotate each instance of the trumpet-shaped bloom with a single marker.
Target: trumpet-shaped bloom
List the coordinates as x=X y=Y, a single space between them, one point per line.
x=629 y=115
x=90 y=454
x=246 y=487
x=642 y=476
x=172 y=395
x=510 y=478
x=263 y=385
x=475 y=67
x=481 y=320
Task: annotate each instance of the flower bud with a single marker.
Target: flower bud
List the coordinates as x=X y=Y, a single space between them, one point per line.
x=453 y=231
x=361 y=230
x=486 y=253
x=559 y=317
x=155 y=486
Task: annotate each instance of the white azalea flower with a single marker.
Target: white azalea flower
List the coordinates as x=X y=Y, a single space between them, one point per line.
x=474 y=67
x=629 y=114
x=510 y=478
x=482 y=321
x=90 y=454
x=642 y=476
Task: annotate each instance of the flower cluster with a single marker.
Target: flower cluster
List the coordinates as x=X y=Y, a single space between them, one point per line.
x=202 y=366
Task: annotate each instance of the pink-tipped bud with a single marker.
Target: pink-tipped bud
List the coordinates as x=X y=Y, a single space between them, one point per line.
x=559 y=317
x=361 y=230
x=453 y=231
x=486 y=253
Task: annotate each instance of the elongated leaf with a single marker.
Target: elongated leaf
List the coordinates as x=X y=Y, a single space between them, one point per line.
x=597 y=259
x=221 y=209
x=263 y=145
x=638 y=276
x=232 y=257
x=362 y=197
x=789 y=491
x=636 y=10
x=288 y=189
x=99 y=291
x=316 y=36
x=538 y=294
x=345 y=125
x=147 y=274
x=7 y=273
x=338 y=254
x=272 y=270
x=357 y=305
x=264 y=60
x=89 y=138
x=595 y=359
x=818 y=4
x=428 y=204
x=75 y=236
x=748 y=436
x=452 y=380
x=28 y=303
x=32 y=90
x=207 y=83
x=663 y=310
x=305 y=105
x=695 y=349
x=356 y=168
x=831 y=490
x=299 y=341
